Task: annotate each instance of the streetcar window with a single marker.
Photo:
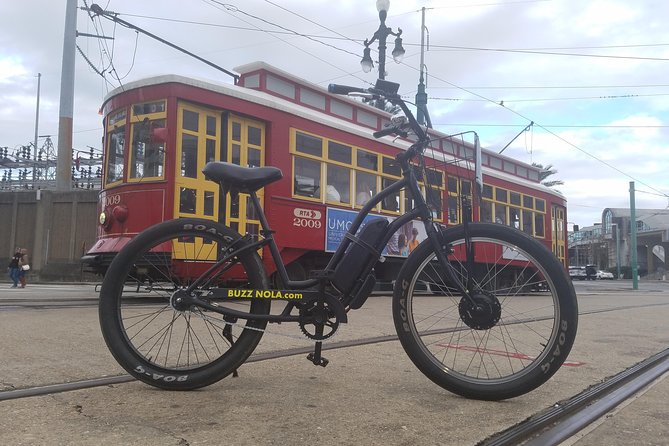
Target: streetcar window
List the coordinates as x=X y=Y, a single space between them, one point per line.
x=147 y=156
x=209 y=203
x=528 y=222
x=187 y=200
x=487 y=192
x=365 y=187
x=392 y=202
x=149 y=107
x=190 y=119
x=236 y=131
x=235 y=157
x=539 y=224
x=514 y=217
x=433 y=197
x=211 y=150
x=466 y=187
x=540 y=204
x=308 y=144
x=452 y=184
x=339 y=152
x=390 y=167
x=211 y=125
x=254 y=135
x=307 y=178
x=254 y=157
x=435 y=178
x=252 y=228
x=116 y=153
x=251 y=213
x=514 y=198
x=339 y=184
x=452 y=209
x=117 y=117
x=234 y=207
x=367 y=160
x=501 y=195
x=528 y=202
x=500 y=214
x=486 y=211
x=189 y=156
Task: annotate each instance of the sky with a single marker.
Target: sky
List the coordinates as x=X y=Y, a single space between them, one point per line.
x=590 y=74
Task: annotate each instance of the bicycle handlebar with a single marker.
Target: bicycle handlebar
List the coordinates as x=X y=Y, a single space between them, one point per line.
x=394 y=98
x=385 y=132
x=345 y=89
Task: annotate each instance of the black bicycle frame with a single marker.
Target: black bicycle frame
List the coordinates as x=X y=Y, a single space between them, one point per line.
x=420 y=211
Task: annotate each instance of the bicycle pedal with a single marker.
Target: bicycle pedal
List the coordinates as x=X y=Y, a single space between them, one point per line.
x=321 y=361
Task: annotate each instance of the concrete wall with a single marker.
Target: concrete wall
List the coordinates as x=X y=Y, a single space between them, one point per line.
x=55 y=227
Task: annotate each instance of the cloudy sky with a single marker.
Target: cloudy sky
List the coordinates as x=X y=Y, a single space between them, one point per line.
x=590 y=74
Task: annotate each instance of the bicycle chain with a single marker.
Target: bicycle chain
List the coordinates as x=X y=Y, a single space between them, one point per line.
x=300 y=337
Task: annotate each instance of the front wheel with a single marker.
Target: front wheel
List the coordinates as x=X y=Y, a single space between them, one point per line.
x=514 y=332
x=154 y=339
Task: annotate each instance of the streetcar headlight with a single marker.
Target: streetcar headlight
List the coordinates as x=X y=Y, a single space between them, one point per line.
x=102 y=219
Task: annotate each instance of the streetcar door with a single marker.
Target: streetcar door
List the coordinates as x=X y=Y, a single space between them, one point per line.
x=245 y=147
x=558 y=230
x=198 y=142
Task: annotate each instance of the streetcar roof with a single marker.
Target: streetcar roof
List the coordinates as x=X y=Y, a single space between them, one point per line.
x=278 y=103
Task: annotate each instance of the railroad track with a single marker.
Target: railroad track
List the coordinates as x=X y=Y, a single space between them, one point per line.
x=567 y=418
x=550 y=426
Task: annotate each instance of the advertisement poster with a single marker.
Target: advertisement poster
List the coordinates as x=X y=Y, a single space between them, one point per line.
x=405 y=240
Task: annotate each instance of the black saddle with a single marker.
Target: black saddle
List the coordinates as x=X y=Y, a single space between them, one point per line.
x=243 y=179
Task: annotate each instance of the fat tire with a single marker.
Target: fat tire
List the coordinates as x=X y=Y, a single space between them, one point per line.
x=538 y=371
x=114 y=330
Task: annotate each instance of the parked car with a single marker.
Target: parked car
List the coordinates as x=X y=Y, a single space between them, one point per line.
x=604 y=275
x=577 y=272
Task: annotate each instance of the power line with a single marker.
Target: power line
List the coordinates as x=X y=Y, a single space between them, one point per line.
x=546 y=53
x=505 y=101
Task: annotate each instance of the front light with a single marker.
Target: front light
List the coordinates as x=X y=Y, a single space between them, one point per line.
x=102 y=218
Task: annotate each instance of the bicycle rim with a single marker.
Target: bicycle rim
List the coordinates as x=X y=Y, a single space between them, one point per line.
x=514 y=334
x=148 y=335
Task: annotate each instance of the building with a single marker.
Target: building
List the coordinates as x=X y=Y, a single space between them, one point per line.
x=607 y=244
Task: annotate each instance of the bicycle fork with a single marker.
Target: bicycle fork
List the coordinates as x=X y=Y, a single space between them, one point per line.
x=444 y=250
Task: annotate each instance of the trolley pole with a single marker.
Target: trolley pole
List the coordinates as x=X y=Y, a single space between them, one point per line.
x=66 y=114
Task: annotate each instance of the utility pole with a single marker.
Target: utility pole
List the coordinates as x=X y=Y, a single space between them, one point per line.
x=66 y=114
x=635 y=269
x=421 y=95
x=39 y=79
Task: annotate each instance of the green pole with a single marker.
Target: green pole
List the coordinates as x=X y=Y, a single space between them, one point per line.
x=635 y=278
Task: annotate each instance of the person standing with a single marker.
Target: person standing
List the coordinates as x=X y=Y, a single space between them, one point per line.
x=24 y=266
x=413 y=243
x=14 y=267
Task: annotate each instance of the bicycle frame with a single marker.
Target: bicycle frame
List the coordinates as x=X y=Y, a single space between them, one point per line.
x=421 y=211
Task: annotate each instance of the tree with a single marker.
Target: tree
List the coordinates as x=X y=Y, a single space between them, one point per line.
x=545 y=173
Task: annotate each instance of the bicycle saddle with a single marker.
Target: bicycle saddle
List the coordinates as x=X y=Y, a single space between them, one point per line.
x=244 y=179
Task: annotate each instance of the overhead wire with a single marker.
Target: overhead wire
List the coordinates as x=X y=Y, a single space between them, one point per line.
x=231 y=8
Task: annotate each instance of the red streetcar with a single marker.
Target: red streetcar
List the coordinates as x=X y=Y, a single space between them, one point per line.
x=161 y=131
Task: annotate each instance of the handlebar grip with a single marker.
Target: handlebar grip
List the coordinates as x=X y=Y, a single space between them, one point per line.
x=385 y=132
x=344 y=89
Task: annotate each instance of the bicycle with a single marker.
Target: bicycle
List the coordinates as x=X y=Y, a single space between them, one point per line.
x=482 y=309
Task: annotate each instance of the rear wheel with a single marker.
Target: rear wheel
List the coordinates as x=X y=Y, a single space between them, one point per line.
x=514 y=333
x=154 y=339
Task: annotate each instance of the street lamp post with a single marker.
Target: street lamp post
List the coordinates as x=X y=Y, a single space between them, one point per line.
x=617 y=250
x=381 y=35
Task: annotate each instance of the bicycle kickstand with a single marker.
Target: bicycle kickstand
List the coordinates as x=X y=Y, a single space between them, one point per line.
x=227 y=334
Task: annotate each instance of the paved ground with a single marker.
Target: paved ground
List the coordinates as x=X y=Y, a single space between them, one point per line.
x=368 y=395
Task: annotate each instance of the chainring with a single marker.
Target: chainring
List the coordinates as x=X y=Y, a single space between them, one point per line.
x=320 y=315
